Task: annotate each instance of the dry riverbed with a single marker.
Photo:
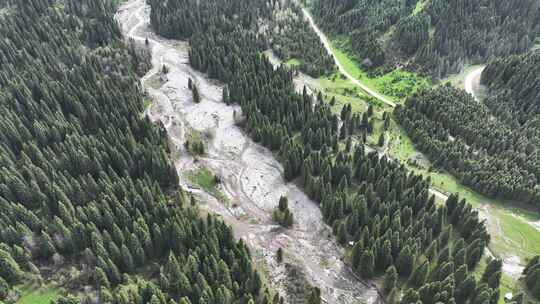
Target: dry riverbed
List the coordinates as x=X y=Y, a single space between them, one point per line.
x=251 y=178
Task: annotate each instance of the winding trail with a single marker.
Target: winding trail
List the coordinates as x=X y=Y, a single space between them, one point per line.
x=472 y=80
x=251 y=177
x=341 y=68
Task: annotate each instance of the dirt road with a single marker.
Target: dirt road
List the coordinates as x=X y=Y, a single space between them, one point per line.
x=251 y=177
x=472 y=80
x=328 y=48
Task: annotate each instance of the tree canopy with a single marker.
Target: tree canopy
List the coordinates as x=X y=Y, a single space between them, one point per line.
x=86 y=180
x=436 y=36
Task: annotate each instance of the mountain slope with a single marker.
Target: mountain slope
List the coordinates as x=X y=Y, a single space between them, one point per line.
x=85 y=183
x=434 y=36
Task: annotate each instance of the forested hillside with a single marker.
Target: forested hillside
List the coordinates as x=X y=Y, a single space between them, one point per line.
x=464 y=137
x=514 y=92
x=87 y=185
x=385 y=210
x=292 y=38
x=434 y=36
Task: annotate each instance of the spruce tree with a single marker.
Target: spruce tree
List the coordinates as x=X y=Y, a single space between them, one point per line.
x=390 y=279
x=279 y=255
x=367 y=264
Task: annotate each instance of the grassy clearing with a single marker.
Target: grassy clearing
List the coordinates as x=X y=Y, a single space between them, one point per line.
x=518 y=237
x=511 y=234
x=393 y=85
x=208 y=182
x=31 y=294
x=196 y=141
x=346 y=92
x=293 y=62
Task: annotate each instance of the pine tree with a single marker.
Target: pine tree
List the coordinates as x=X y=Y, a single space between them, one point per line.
x=283 y=204
x=404 y=262
x=390 y=279
x=9 y=269
x=465 y=289
x=367 y=264
x=536 y=290
x=342 y=234
x=418 y=276
x=314 y=296
x=101 y=278
x=127 y=259
x=226 y=96
x=279 y=255
x=4 y=289
x=410 y=297
x=46 y=246
x=381 y=140
x=357 y=250
x=196 y=96
x=494 y=266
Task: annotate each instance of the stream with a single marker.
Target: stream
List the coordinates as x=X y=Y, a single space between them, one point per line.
x=251 y=178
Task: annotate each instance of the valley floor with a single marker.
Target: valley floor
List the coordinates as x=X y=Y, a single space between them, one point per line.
x=251 y=178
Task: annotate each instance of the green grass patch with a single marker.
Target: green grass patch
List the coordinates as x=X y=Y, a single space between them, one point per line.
x=196 y=141
x=346 y=92
x=509 y=229
x=31 y=294
x=293 y=62
x=208 y=181
x=147 y=102
x=204 y=178
x=393 y=85
x=517 y=237
x=399 y=83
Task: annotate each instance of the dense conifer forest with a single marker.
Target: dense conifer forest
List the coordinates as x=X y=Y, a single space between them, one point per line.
x=499 y=159
x=433 y=36
x=293 y=39
x=383 y=209
x=514 y=92
x=531 y=277
x=86 y=180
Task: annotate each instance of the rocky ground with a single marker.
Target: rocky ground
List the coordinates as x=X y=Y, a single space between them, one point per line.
x=251 y=178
